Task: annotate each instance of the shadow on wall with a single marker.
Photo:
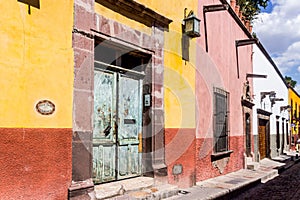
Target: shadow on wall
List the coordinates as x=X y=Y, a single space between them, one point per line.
x=33 y=3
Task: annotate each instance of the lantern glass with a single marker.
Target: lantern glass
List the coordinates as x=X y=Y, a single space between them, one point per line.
x=197 y=26
x=192 y=26
x=189 y=25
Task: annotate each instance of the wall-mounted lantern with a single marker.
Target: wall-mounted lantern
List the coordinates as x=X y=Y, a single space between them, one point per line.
x=191 y=24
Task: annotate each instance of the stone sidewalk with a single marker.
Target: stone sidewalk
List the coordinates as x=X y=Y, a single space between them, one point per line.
x=221 y=187
x=227 y=186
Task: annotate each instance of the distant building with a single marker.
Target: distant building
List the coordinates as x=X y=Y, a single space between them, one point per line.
x=270 y=113
x=294 y=102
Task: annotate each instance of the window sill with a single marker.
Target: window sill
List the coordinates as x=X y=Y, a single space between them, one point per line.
x=220 y=155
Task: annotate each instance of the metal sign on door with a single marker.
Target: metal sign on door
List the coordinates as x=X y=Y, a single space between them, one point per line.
x=117 y=126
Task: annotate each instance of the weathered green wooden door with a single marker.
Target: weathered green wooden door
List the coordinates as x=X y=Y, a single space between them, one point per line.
x=130 y=127
x=117 y=126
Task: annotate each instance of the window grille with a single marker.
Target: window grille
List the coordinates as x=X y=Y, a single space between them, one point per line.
x=221 y=114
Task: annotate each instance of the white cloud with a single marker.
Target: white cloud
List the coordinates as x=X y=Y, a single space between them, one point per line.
x=279 y=32
x=289 y=58
x=298 y=69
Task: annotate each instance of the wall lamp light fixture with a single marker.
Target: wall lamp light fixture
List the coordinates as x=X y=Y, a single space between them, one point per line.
x=190 y=29
x=191 y=24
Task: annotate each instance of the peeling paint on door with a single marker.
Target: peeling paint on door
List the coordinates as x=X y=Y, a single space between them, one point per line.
x=117 y=125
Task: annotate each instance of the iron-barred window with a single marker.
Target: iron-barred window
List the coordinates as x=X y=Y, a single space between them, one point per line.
x=221 y=114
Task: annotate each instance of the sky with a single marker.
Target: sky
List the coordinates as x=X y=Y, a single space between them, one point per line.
x=278 y=29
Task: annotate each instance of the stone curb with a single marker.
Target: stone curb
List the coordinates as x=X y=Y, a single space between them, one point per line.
x=220 y=188
x=252 y=183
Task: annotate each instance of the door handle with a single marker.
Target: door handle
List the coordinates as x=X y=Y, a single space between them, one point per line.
x=107 y=131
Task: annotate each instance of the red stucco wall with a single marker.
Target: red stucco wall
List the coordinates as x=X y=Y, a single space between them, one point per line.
x=35 y=163
x=204 y=165
x=180 y=150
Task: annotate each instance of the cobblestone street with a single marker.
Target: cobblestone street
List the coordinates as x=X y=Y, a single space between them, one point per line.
x=284 y=186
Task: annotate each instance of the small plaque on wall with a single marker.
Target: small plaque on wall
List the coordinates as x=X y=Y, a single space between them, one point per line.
x=45 y=107
x=177 y=169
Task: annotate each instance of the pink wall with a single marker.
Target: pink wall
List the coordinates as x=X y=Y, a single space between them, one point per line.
x=218 y=68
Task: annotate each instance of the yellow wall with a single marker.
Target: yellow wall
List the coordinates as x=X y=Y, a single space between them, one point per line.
x=296 y=101
x=179 y=76
x=36 y=63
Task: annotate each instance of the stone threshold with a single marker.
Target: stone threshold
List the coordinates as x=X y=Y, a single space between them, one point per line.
x=135 y=188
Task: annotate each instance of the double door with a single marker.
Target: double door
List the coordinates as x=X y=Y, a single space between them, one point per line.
x=117 y=126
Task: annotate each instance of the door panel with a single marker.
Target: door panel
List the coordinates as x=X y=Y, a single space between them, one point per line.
x=104 y=148
x=104 y=107
x=104 y=163
x=130 y=126
x=262 y=141
x=129 y=110
x=116 y=142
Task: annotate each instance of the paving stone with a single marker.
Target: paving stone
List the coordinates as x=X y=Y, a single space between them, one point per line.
x=230 y=185
x=223 y=187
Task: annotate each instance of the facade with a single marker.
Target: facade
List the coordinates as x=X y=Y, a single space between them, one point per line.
x=36 y=78
x=118 y=110
x=105 y=90
x=294 y=102
x=270 y=114
x=223 y=102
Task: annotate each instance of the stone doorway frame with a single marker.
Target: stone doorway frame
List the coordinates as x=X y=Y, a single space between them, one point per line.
x=89 y=25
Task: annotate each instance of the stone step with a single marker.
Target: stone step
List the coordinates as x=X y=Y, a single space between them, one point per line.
x=155 y=193
x=282 y=158
x=108 y=190
x=140 y=188
x=269 y=176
